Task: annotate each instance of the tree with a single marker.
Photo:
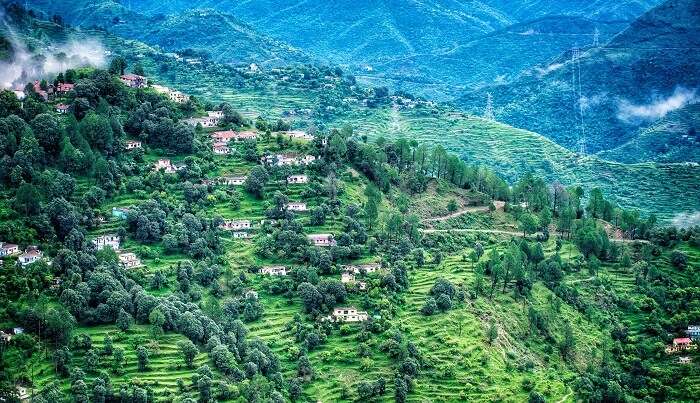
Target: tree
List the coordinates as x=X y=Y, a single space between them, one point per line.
x=124 y=321
x=142 y=358
x=9 y=104
x=566 y=347
x=117 y=65
x=157 y=319
x=430 y=306
x=679 y=259
x=48 y=131
x=255 y=183
x=188 y=350
x=492 y=333
x=528 y=223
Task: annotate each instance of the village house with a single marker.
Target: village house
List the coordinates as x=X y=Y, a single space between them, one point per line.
x=231 y=225
x=132 y=144
x=8 y=249
x=134 y=80
x=120 y=212
x=106 y=241
x=297 y=179
x=251 y=294
x=207 y=121
x=42 y=93
x=363 y=268
x=62 y=108
x=64 y=88
x=346 y=277
x=680 y=344
x=694 y=332
x=288 y=159
x=240 y=235
x=215 y=114
x=296 y=206
x=349 y=278
x=349 y=314
x=178 y=97
x=31 y=255
x=221 y=148
x=274 y=270
x=233 y=180
x=167 y=166
x=129 y=260
x=230 y=135
x=684 y=360
x=322 y=239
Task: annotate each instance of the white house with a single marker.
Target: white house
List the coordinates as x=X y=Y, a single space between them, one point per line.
x=106 y=241
x=297 y=179
x=288 y=159
x=231 y=225
x=221 y=148
x=30 y=256
x=230 y=135
x=346 y=277
x=233 y=180
x=178 y=97
x=132 y=144
x=129 y=260
x=167 y=166
x=363 y=268
x=349 y=314
x=274 y=270
x=322 y=239
x=8 y=249
x=296 y=206
x=62 y=108
x=240 y=235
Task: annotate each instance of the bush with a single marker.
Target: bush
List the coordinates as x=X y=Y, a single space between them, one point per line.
x=679 y=259
x=430 y=306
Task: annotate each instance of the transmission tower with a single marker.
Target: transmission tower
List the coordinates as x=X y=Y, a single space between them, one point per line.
x=488 y=112
x=578 y=97
x=596 y=38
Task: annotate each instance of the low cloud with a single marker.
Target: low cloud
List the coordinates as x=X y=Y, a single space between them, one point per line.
x=541 y=71
x=26 y=66
x=686 y=220
x=658 y=108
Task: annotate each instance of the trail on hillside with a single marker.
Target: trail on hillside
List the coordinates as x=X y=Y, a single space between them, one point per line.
x=473 y=209
x=512 y=233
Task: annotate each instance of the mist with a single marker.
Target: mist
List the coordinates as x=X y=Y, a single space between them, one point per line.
x=658 y=108
x=47 y=62
x=686 y=220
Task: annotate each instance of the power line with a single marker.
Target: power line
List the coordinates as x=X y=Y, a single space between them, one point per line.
x=488 y=112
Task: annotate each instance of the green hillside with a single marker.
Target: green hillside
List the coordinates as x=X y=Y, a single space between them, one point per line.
x=356 y=260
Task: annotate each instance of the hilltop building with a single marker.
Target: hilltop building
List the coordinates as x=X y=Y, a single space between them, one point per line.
x=134 y=80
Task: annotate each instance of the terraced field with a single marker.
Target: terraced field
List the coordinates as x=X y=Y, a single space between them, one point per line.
x=166 y=364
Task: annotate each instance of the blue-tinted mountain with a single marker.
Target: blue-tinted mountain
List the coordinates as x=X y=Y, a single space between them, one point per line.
x=640 y=76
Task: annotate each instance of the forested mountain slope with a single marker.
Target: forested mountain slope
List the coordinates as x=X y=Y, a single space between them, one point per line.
x=642 y=74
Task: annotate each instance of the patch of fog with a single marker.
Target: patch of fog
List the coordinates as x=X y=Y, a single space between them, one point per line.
x=542 y=71
x=658 y=108
x=686 y=220
x=26 y=66
x=593 y=101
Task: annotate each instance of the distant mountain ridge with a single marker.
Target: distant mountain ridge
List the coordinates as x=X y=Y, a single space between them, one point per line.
x=623 y=85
